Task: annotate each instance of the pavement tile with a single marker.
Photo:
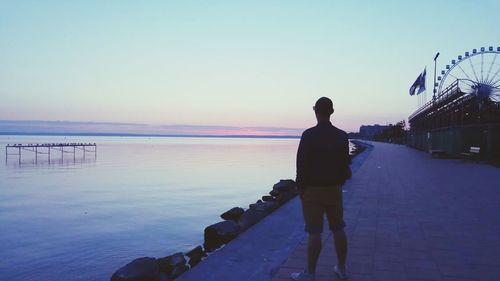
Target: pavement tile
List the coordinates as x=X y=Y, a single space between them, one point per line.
x=420 y=264
x=461 y=271
x=295 y=262
x=362 y=243
x=415 y=255
x=358 y=277
x=383 y=275
x=389 y=266
x=281 y=279
x=388 y=242
x=486 y=272
x=284 y=273
x=359 y=267
x=327 y=261
x=328 y=254
x=363 y=251
x=414 y=243
x=383 y=256
x=416 y=273
x=388 y=250
x=456 y=256
x=458 y=279
x=360 y=258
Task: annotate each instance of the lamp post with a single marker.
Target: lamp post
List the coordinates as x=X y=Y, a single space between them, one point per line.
x=434 y=88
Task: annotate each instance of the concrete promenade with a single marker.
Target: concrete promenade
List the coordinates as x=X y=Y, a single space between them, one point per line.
x=411 y=217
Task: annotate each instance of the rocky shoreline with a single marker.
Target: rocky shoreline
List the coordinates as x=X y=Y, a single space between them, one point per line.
x=234 y=222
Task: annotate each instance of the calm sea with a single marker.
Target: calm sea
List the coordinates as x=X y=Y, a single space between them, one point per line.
x=81 y=219
x=77 y=219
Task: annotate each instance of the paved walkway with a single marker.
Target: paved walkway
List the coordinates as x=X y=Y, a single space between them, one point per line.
x=411 y=217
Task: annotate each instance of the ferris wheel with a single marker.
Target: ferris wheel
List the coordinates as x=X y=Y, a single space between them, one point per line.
x=476 y=73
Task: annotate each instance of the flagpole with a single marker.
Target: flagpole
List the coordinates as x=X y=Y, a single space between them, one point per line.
x=434 y=85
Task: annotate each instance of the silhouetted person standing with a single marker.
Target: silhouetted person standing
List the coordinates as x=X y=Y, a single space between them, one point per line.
x=322 y=168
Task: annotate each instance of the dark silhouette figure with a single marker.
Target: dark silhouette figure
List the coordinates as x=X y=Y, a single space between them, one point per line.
x=322 y=168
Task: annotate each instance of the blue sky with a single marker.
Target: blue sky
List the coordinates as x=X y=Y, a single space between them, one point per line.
x=228 y=63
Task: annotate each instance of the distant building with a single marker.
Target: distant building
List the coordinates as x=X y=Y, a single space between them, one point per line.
x=353 y=135
x=368 y=132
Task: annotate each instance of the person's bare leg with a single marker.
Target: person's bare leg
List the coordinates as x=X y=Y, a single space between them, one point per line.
x=313 y=251
x=340 y=246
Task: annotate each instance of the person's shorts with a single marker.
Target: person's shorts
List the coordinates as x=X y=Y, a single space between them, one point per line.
x=318 y=201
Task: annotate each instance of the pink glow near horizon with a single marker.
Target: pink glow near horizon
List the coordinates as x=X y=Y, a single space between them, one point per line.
x=123 y=128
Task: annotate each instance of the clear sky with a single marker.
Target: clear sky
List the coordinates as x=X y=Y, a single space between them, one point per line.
x=228 y=63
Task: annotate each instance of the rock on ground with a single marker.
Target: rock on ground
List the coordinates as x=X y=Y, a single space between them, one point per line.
x=141 y=269
x=232 y=214
x=220 y=233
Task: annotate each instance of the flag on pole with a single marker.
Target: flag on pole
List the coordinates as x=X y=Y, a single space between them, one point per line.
x=419 y=84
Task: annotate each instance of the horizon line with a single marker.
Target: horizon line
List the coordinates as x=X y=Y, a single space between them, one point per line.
x=148 y=135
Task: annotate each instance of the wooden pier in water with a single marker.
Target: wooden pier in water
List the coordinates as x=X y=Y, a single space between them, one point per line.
x=46 y=148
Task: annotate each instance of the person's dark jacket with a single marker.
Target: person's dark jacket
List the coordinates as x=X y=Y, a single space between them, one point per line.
x=323 y=156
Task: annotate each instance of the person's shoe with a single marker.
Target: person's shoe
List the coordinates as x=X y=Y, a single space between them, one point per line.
x=302 y=276
x=341 y=272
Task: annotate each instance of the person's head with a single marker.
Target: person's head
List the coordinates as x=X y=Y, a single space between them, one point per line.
x=323 y=108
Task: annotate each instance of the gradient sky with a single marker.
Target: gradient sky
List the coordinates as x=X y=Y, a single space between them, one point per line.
x=228 y=63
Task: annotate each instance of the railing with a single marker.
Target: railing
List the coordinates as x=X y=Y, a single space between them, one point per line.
x=453 y=90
